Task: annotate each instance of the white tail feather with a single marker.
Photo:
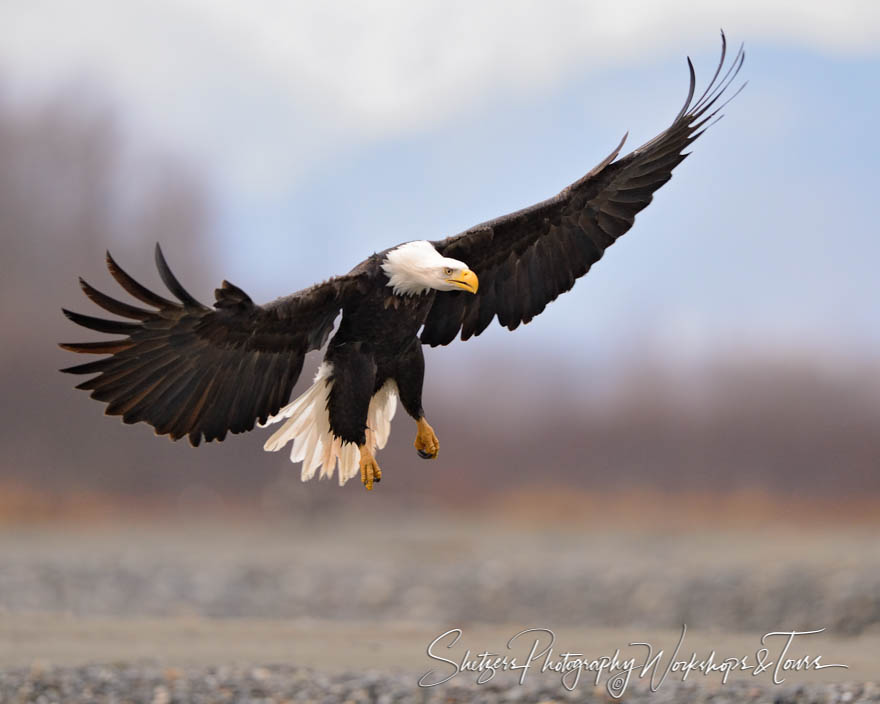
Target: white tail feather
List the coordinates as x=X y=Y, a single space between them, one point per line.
x=307 y=428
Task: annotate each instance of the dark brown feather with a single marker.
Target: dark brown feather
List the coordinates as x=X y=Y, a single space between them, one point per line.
x=112 y=305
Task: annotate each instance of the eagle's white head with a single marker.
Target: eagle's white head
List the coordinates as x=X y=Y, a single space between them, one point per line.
x=416 y=267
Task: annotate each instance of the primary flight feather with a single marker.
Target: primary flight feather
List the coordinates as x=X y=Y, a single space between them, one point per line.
x=197 y=371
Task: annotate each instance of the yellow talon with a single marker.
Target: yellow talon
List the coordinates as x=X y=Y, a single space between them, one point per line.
x=426 y=443
x=370 y=471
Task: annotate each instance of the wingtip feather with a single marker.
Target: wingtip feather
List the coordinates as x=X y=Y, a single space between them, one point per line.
x=170 y=280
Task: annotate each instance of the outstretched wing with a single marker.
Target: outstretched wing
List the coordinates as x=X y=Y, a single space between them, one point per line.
x=526 y=259
x=187 y=369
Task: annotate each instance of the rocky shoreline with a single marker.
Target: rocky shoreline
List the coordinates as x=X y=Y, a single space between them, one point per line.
x=148 y=683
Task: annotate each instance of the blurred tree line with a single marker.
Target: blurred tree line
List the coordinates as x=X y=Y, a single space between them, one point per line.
x=73 y=183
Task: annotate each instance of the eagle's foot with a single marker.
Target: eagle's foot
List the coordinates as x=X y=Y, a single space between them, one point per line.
x=426 y=444
x=370 y=471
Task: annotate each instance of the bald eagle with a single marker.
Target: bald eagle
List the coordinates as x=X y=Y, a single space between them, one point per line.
x=197 y=371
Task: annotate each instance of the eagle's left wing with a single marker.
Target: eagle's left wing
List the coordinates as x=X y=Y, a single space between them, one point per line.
x=526 y=259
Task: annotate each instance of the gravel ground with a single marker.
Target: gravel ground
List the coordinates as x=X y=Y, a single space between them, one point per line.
x=450 y=572
x=150 y=684
x=846 y=603
x=422 y=570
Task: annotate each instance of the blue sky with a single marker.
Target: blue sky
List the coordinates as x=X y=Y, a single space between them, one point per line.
x=328 y=131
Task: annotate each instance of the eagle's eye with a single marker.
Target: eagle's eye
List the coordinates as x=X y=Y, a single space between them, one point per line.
x=448 y=271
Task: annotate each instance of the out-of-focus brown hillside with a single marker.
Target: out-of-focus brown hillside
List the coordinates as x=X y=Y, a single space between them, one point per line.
x=70 y=187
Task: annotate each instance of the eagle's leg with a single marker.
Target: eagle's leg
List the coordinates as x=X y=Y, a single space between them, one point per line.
x=370 y=471
x=354 y=376
x=426 y=444
x=410 y=376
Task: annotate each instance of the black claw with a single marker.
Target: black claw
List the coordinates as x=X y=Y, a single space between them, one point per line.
x=425 y=455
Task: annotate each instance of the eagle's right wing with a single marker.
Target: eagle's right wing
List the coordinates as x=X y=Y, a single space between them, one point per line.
x=187 y=369
x=526 y=259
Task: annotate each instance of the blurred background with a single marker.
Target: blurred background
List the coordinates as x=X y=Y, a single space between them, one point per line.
x=716 y=375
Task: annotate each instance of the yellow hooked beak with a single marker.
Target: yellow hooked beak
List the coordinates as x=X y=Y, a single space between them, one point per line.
x=466 y=280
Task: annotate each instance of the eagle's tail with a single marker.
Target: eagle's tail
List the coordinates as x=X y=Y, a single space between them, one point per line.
x=308 y=427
